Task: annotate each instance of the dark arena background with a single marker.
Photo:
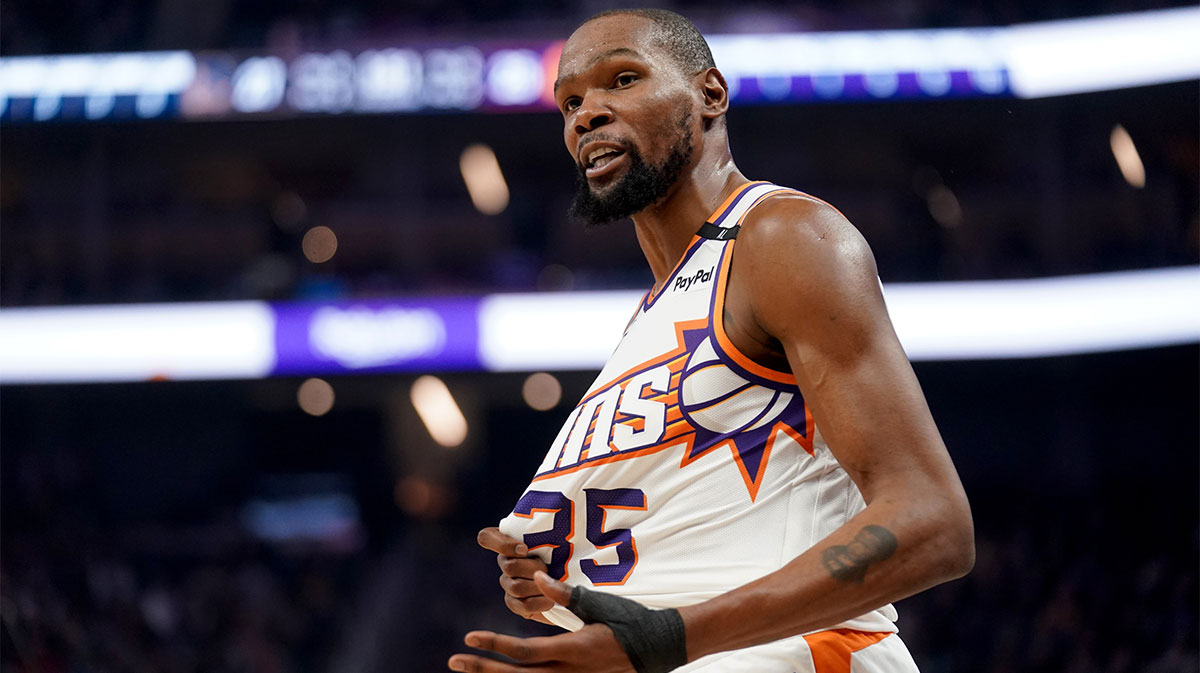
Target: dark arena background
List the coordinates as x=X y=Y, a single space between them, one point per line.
x=290 y=307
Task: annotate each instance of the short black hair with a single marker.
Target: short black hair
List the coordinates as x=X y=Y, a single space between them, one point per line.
x=680 y=36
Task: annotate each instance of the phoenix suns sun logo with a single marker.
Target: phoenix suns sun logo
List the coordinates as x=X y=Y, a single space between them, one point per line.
x=692 y=396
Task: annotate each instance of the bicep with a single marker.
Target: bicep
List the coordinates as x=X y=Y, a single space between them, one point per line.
x=829 y=315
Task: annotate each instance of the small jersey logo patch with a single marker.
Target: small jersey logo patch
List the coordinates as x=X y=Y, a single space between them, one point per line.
x=693 y=281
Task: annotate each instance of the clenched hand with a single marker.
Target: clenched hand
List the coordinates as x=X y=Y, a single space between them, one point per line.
x=521 y=594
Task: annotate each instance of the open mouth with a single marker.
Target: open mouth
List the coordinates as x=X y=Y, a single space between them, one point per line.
x=598 y=161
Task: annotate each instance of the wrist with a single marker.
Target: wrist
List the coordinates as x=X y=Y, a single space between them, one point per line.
x=694 y=621
x=654 y=640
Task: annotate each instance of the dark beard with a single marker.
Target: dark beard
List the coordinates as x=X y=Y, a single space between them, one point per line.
x=642 y=185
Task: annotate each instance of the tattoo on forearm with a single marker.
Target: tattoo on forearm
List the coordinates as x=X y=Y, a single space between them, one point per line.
x=849 y=562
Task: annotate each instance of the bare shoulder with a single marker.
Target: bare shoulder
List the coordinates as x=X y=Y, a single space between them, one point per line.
x=804 y=244
x=809 y=281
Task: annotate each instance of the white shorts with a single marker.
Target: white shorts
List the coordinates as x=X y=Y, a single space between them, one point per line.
x=834 y=651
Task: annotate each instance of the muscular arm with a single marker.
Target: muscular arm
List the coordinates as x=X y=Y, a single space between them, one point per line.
x=805 y=277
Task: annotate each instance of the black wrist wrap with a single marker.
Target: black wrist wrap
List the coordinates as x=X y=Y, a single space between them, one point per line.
x=652 y=639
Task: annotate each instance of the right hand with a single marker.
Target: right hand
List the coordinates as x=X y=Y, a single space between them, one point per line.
x=521 y=594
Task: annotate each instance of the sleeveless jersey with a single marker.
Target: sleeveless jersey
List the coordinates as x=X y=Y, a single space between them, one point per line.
x=687 y=469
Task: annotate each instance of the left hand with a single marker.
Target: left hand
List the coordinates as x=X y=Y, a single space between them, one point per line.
x=592 y=649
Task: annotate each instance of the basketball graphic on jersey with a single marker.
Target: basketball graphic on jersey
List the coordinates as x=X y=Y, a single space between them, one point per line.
x=714 y=397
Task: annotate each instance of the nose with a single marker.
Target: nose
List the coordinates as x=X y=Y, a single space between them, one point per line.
x=591 y=115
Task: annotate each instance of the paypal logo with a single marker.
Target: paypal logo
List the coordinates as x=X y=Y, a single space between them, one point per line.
x=701 y=276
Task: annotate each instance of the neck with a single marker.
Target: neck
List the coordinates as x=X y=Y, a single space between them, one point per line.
x=665 y=229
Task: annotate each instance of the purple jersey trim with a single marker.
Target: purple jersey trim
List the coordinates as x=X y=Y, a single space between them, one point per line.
x=652 y=297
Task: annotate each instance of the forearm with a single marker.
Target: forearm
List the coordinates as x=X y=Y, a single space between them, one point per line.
x=891 y=550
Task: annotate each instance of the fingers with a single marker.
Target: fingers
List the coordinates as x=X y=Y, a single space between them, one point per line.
x=523 y=568
x=517 y=649
x=506 y=645
x=519 y=588
x=592 y=648
x=473 y=664
x=527 y=607
x=520 y=650
x=559 y=592
x=523 y=596
x=491 y=538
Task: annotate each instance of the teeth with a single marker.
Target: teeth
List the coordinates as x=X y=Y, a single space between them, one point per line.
x=596 y=154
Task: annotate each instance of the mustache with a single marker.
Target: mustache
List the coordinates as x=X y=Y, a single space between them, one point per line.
x=598 y=136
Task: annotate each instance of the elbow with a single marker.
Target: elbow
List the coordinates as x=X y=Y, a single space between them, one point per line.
x=963 y=558
x=958 y=542
x=948 y=539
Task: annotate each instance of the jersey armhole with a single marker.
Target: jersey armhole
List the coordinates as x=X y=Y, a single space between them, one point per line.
x=717 y=319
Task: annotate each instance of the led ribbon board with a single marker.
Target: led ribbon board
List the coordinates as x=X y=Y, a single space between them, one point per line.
x=1027 y=61
x=558 y=331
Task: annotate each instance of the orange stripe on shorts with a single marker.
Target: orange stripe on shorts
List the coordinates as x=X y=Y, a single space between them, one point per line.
x=831 y=650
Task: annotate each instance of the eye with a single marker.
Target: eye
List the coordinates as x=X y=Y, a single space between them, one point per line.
x=570 y=104
x=625 y=79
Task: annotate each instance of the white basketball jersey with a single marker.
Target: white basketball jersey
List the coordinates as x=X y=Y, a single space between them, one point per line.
x=687 y=469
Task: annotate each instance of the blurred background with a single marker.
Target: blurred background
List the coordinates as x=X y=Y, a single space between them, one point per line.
x=283 y=285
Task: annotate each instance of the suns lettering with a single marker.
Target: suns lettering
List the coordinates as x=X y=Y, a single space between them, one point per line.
x=634 y=405
x=594 y=423
x=598 y=408
x=556 y=448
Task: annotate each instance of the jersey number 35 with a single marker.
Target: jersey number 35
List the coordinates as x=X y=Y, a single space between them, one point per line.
x=597 y=502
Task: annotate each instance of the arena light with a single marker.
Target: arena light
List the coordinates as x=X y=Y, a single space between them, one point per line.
x=944 y=206
x=319 y=244
x=1128 y=159
x=315 y=397
x=935 y=321
x=862 y=64
x=1103 y=53
x=96 y=80
x=559 y=331
x=439 y=412
x=484 y=179
x=1029 y=61
x=1046 y=316
x=541 y=391
x=139 y=342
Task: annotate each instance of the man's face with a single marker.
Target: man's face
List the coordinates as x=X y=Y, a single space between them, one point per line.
x=627 y=110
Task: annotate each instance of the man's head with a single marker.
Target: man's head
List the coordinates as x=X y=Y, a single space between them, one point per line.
x=639 y=94
x=678 y=36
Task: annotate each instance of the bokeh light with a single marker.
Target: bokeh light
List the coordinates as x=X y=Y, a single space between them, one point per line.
x=315 y=396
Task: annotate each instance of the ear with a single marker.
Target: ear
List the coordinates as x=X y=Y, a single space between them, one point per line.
x=715 y=91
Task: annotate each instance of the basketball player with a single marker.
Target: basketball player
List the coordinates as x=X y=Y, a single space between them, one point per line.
x=755 y=475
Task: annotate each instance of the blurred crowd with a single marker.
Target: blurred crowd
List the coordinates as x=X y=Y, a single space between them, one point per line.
x=82 y=590
x=92 y=608
x=1056 y=588
x=942 y=190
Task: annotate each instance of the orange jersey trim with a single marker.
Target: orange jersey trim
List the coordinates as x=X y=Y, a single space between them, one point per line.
x=653 y=294
x=831 y=650
x=667 y=443
x=680 y=351
x=718 y=328
x=716 y=214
